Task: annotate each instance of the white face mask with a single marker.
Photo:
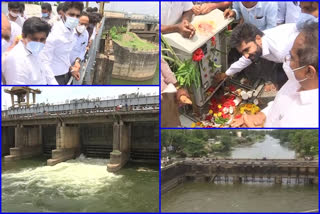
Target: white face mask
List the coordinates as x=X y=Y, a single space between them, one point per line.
x=81 y=28
x=71 y=22
x=4 y=45
x=290 y=72
x=14 y=14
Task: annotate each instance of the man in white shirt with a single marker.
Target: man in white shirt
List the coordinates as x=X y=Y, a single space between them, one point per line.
x=176 y=17
x=46 y=13
x=22 y=65
x=14 y=14
x=272 y=44
x=56 y=53
x=82 y=36
x=297 y=102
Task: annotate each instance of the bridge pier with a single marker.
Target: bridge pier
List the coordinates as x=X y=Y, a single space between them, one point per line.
x=121 y=146
x=27 y=142
x=67 y=144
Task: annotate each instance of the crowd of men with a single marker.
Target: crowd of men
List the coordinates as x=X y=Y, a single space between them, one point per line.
x=49 y=49
x=277 y=40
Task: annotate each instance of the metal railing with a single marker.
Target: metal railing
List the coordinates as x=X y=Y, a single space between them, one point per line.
x=87 y=67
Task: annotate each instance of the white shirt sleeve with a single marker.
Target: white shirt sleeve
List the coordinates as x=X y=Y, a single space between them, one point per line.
x=12 y=72
x=187 y=6
x=238 y=66
x=93 y=34
x=46 y=56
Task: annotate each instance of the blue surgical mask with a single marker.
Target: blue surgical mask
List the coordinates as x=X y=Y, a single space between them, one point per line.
x=305 y=17
x=35 y=47
x=71 y=22
x=45 y=15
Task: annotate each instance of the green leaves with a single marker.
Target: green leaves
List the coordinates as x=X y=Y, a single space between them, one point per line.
x=186 y=72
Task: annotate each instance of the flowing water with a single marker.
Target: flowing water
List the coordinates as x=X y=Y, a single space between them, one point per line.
x=252 y=196
x=80 y=185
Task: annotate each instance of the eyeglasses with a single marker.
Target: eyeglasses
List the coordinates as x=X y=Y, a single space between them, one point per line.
x=287 y=59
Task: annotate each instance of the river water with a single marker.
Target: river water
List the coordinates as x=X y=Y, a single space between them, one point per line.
x=269 y=148
x=80 y=185
x=249 y=197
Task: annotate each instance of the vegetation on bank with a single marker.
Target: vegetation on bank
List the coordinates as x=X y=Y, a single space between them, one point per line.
x=194 y=142
x=130 y=40
x=304 y=141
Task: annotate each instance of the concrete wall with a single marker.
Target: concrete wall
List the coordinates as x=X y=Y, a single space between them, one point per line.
x=177 y=173
x=7 y=140
x=67 y=144
x=28 y=141
x=68 y=137
x=134 y=65
x=121 y=146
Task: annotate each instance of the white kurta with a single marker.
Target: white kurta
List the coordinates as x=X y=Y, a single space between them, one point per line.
x=276 y=44
x=56 y=53
x=20 y=67
x=293 y=108
x=172 y=11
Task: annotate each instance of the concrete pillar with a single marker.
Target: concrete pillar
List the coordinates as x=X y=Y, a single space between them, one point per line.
x=7 y=140
x=278 y=180
x=27 y=143
x=67 y=144
x=121 y=146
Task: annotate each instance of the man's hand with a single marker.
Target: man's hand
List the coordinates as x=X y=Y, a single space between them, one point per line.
x=255 y=120
x=186 y=29
x=76 y=75
x=237 y=122
x=207 y=7
x=196 y=9
x=228 y=13
x=75 y=70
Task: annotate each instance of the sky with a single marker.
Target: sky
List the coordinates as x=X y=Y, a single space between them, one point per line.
x=59 y=94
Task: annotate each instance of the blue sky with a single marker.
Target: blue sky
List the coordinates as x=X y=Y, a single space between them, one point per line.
x=59 y=94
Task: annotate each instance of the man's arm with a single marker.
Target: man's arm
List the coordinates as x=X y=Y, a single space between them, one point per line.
x=46 y=55
x=238 y=66
x=187 y=15
x=169 y=28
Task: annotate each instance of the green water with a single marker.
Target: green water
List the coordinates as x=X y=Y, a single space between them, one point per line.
x=81 y=185
x=208 y=197
x=153 y=81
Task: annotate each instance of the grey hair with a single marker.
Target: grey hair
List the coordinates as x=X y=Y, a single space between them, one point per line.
x=308 y=53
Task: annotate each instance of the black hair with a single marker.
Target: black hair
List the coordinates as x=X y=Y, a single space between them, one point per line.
x=22 y=7
x=60 y=7
x=244 y=33
x=14 y=5
x=308 y=53
x=72 y=4
x=46 y=6
x=84 y=14
x=89 y=9
x=35 y=25
x=95 y=9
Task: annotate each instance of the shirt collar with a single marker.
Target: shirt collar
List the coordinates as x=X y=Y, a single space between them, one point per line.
x=24 y=51
x=309 y=96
